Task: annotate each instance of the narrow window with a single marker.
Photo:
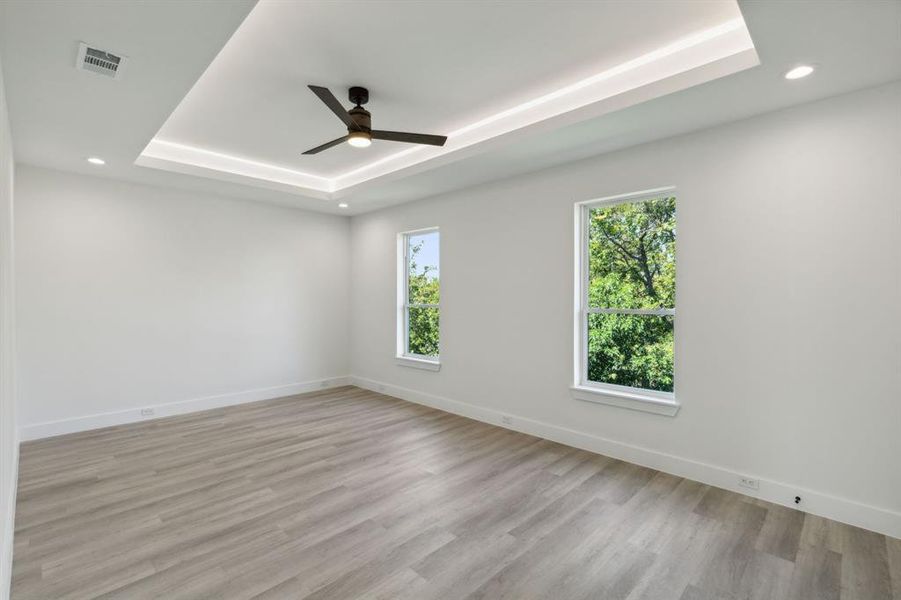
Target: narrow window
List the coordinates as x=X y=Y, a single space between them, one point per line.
x=628 y=294
x=418 y=335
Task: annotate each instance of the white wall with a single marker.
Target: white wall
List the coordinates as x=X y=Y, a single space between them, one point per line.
x=789 y=282
x=133 y=296
x=9 y=441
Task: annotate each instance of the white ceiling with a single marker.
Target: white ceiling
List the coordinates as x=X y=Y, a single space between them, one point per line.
x=476 y=72
x=60 y=115
x=855 y=44
x=431 y=67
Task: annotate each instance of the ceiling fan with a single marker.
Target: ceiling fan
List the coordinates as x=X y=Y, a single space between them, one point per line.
x=359 y=123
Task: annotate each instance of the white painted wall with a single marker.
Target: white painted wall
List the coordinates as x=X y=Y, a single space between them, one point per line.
x=9 y=440
x=133 y=296
x=788 y=344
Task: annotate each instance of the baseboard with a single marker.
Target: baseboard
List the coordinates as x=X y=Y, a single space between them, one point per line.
x=6 y=552
x=133 y=415
x=877 y=519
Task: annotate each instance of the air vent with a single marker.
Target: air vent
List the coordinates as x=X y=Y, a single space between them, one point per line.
x=100 y=61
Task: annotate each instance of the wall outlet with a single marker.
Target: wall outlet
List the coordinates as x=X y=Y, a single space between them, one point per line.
x=324 y=384
x=147 y=412
x=382 y=388
x=507 y=420
x=747 y=482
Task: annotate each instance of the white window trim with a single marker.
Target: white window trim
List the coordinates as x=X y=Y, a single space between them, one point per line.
x=426 y=364
x=652 y=401
x=402 y=357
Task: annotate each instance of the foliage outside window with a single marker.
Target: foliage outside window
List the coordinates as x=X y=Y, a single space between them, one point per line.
x=421 y=294
x=629 y=294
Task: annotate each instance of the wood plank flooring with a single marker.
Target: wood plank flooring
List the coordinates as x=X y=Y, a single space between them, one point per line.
x=350 y=494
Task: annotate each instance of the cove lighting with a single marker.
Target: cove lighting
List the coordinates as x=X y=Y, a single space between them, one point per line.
x=799 y=72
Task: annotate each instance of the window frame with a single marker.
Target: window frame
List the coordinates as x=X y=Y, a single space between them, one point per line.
x=402 y=357
x=642 y=399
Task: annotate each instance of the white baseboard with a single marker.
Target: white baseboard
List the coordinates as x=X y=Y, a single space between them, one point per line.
x=9 y=519
x=877 y=519
x=133 y=415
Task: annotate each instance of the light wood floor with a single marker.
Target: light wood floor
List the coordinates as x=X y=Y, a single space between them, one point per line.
x=350 y=494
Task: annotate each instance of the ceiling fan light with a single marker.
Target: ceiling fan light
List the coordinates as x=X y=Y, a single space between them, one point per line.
x=359 y=139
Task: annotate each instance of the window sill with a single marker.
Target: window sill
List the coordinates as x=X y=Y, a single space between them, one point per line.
x=418 y=363
x=633 y=401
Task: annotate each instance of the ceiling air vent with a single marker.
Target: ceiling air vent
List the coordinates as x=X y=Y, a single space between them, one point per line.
x=100 y=61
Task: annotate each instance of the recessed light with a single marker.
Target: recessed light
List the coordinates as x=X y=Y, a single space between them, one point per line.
x=342 y=205
x=96 y=161
x=799 y=72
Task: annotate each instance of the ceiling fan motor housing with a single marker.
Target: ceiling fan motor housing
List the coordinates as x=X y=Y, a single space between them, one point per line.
x=361 y=117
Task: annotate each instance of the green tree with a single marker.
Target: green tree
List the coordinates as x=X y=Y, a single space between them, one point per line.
x=423 y=289
x=631 y=264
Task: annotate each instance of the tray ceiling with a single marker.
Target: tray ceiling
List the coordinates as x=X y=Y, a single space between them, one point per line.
x=477 y=72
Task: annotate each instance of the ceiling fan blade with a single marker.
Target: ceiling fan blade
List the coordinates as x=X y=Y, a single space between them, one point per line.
x=326 y=145
x=329 y=99
x=410 y=138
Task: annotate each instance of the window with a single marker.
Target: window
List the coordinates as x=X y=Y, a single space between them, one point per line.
x=627 y=300
x=419 y=294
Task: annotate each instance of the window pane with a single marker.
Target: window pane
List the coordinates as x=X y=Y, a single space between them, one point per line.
x=422 y=268
x=632 y=255
x=631 y=350
x=423 y=332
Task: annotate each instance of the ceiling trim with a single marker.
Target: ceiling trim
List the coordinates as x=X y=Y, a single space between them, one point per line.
x=703 y=56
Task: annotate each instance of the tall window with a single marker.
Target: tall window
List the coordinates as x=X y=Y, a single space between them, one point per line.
x=420 y=285
x=628 y=294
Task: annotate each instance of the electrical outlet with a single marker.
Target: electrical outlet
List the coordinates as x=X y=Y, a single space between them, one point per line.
x=382 y=388
x=147 y=412
x=747 y=482
x=507 y=420
x=324 y=384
